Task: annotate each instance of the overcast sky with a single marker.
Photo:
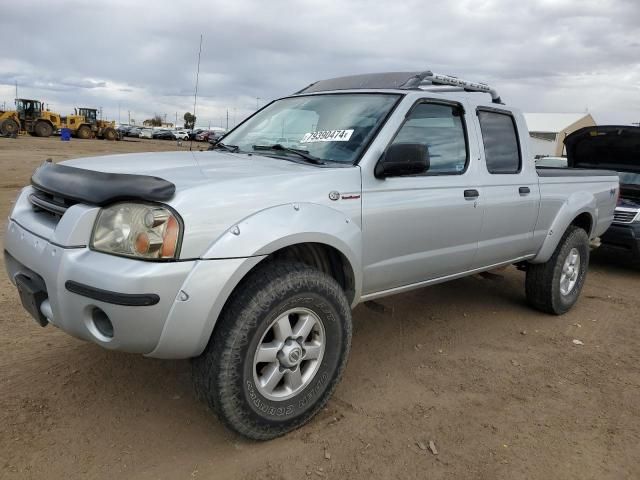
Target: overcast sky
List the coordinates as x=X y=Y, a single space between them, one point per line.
x=541 y=55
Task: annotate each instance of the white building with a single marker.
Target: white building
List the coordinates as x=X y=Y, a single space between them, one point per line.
x=548 y=130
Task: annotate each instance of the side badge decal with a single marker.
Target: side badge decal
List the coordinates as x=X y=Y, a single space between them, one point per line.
x=333 y=195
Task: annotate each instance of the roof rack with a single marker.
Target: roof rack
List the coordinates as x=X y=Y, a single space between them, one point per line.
x=428 y=80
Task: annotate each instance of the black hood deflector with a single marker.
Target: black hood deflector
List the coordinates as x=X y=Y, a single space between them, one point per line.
x=99 y=188
x=609 y=147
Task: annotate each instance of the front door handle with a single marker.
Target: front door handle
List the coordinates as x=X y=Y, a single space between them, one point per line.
x=524 y=190
x=471 y=194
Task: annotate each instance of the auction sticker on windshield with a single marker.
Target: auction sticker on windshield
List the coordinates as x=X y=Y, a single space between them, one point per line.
x=327 y=136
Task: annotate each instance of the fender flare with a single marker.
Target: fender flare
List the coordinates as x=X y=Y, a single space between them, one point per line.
x=274 y=228
x=577 y=204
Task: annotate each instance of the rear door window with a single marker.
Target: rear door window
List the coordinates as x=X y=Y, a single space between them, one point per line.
x=500 y=138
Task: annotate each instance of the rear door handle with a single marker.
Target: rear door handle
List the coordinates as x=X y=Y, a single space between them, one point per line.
x=524 y=190
x=471 y=194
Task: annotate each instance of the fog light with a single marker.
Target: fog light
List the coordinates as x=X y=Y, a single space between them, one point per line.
x=102 y=323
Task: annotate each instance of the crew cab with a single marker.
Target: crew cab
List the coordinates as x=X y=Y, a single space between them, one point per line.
x=614 y=147
x=250 y=257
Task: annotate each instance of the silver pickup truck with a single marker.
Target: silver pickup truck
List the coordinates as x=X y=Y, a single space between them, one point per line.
x=249 y=258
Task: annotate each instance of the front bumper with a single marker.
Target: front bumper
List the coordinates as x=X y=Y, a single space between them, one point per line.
x=189 y=294
x=623 y=237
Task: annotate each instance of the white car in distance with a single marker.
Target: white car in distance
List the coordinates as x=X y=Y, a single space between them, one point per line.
x=146 y=133
x=181 y=135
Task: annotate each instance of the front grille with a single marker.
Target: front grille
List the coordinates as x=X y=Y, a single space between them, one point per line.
x=624 y=215
x=50 y=204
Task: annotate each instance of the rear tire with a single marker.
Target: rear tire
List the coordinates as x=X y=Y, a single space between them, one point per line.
x=554 y=287
x=9 y=127
x=277 y=352
x=43 y=129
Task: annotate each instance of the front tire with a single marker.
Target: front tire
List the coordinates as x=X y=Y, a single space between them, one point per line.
x=277 y=352
x=554 y=287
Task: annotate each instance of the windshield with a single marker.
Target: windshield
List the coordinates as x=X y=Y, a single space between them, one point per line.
x=628 y=178
x=331 y=127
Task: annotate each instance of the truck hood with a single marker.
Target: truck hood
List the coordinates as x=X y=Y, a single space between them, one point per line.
x=609 y=147
x=215 y=190
x=189 y=169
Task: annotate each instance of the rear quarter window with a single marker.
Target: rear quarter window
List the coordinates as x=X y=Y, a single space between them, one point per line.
x=500 y=139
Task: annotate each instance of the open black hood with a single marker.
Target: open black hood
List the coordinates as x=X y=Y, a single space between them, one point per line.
x=609 y=147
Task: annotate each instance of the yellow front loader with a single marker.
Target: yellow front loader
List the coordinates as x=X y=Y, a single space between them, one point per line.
x=84 y=124
x=29 y=116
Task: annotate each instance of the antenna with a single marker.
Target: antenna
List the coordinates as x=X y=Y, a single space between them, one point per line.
x=195 y=95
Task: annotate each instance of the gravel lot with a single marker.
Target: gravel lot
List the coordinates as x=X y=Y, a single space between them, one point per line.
x=501 y=390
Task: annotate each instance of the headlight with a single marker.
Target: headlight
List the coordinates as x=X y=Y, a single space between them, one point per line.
x=137 y=230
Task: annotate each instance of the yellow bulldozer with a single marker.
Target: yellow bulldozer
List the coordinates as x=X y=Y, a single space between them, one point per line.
x=84 y=124
x=30 y=117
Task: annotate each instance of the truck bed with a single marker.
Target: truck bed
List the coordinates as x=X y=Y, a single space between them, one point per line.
x=573 y=172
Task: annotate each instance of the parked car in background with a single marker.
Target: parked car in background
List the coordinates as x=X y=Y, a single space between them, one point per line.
x=123 y=130
x=209 y=135
x=163 y=134
x=146 y=133
x=250 y=258
x=215 y=136
x=614 y=147
x=180 y=135
x=194 y=133
x=134 y=132
x=551 y=162
x=202 y=136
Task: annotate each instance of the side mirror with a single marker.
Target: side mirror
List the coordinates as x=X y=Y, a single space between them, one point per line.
x=403 y=159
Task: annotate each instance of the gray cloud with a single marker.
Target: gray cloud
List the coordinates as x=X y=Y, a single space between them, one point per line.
x=544 y=55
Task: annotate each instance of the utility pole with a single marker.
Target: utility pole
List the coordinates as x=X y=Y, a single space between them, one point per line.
x=176 y=124
x=129 y=114
x=227 y=119
x=16 y=88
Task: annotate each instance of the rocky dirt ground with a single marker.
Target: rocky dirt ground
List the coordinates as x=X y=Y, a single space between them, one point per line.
x=501 y=390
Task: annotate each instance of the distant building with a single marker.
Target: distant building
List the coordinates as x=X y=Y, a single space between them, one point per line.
x=548 y=130
x=149 y=123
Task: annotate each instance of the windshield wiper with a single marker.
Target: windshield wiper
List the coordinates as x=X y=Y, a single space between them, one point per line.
x=301 y=153
x=228 y=148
